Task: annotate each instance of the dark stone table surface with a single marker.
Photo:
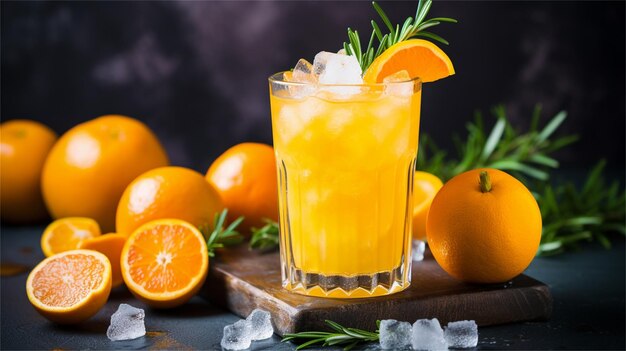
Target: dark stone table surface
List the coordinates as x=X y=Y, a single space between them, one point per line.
x=587 y=285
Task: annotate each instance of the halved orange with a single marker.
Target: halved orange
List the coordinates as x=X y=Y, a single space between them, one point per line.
x=165 y=262
x=111 y=246
x=67 y=233
x=71 y=286
x=425 y=187
x=419 y=57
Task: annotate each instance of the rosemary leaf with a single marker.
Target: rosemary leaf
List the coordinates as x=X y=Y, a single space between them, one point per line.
x=219 y=236
x=432 y=36
x=266 y=237
x=340 y=335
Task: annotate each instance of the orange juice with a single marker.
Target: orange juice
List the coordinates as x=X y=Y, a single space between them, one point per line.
x=346 y=166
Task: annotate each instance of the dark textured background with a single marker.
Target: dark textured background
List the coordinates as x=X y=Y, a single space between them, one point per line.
x=196 y=71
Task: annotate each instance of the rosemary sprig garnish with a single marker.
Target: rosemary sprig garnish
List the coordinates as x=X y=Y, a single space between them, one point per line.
x=340 y=336
x=265 y=237
x=218 y=236
x=411 y=28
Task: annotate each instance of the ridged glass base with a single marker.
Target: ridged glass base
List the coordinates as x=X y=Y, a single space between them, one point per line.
x=358 y=286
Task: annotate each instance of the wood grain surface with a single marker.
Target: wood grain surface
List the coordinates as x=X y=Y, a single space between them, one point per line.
x=241 y=281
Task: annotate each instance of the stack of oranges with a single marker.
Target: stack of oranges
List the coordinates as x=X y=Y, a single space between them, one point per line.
x=123 y=214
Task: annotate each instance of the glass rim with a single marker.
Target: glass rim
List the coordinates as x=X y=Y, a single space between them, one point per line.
x=278 y=78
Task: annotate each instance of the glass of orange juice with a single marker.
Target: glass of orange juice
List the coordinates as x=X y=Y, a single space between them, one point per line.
x=346 y=159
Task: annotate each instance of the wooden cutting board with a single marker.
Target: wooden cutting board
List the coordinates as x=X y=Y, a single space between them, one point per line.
x=241 y=281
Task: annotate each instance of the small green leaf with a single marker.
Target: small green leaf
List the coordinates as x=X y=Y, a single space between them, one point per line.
x=432 y=36
x=405 y=26
x=443 y=19
x=552 y=126
x=377 y=30
x=561 y=143
x=423 y=11
x=383 y=16
x=309 y=343
x=220 y=237
x=517 y=166
x=534 y=121
x=544 y=160
x=593 y=176
x=494 y=139
x=551 y=246
x=423 y=26
x=604 y=241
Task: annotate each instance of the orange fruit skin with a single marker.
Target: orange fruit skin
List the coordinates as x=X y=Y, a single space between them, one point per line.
x=85 y=308
x=144 y=246
x=245 y=177
x=92 y=163
x=484 y=237
x=420 y=58
x=67 y=234
x=425 y=187
x=111 y=246
x=24 y=146
x=167 y=192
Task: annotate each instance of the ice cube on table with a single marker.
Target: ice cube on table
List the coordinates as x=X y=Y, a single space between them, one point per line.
x=261 y=323
x=428 y=335
x=237 y=336
x=419 y=247
x=461 y=334
x=126 y=323
x=394 y=334
x=399 y=84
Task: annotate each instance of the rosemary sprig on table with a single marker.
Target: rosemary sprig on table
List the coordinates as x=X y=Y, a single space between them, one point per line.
x=340 y=336
x=265 y=237
x=571 y=215
x=524 y=155
x=411 y=28
x=218 y=236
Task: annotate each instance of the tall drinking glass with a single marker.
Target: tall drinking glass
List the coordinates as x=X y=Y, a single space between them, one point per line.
x=346 y=158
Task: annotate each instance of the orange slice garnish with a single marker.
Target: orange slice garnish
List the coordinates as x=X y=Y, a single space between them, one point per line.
x=71 y=286
x=111 y=246
x=67 y=233
x=421 y=58
x=165 y=262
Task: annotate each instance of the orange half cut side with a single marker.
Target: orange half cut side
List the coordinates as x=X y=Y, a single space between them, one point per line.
x=165 y=262
x=71 y=286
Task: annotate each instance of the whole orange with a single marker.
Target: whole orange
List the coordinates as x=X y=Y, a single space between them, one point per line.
x=92 y=163
x=484 y=226
x=167 y=193
x=245 y=177
x=24 y=145
x=425 y=187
